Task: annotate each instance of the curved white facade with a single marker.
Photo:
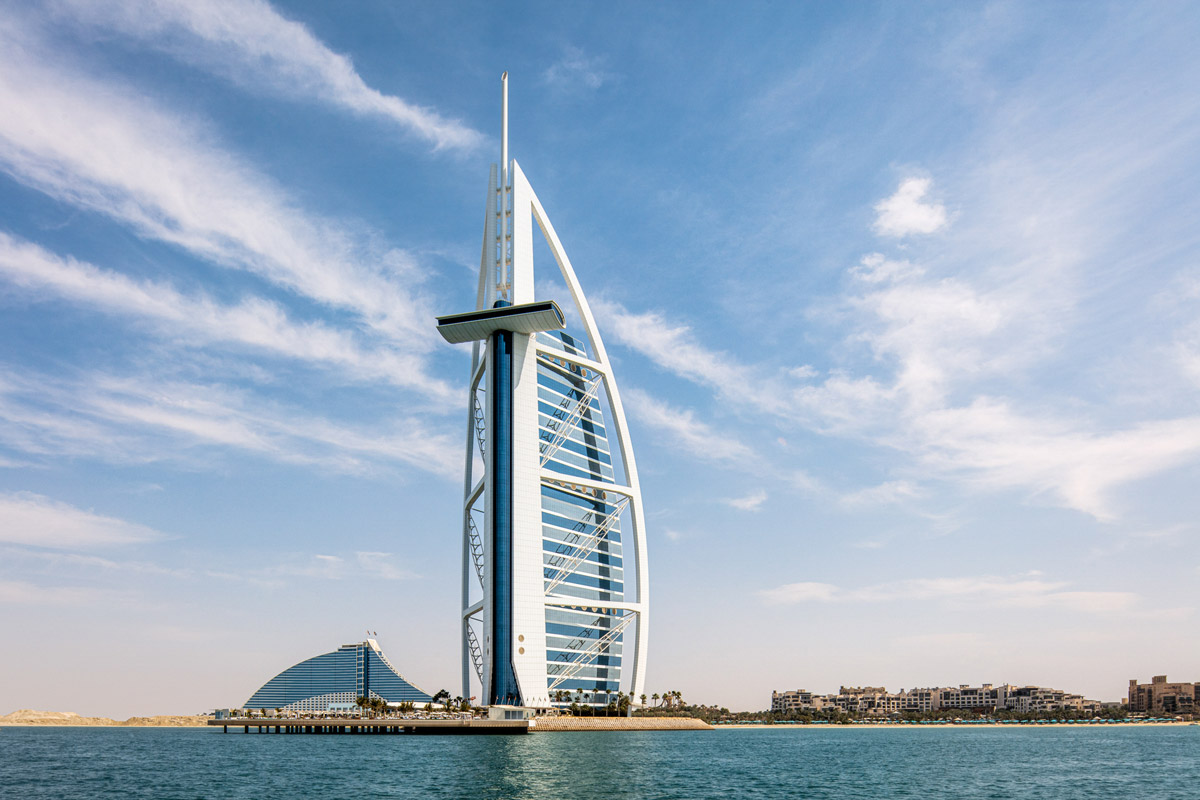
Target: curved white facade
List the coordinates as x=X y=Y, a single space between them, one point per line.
x=569 y=601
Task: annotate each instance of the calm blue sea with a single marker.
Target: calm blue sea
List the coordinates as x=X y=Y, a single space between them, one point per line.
x=164 y=764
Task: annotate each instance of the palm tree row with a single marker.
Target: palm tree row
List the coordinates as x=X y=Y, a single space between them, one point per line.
x=585 y=703
x=669 y=699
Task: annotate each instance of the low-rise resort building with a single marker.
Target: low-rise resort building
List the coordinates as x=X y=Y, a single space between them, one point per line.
x=334 y=682
x=878 y=701
x=1160 y=698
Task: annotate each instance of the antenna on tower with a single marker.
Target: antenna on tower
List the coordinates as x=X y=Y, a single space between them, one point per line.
x=504 y=127
x=504 y=187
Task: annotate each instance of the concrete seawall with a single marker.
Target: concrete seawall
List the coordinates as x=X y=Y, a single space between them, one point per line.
x=552 y=724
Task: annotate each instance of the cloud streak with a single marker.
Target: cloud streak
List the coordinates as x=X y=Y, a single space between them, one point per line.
x=24 y=593
x=362 y=564
x=132 y=420
x=39 y=521
x=574 y=69
x=101 y=147
x=683 y=428
x=938 y=338
x=250 y=43
x=750 y=502
x=256 y=323
x=1022 y=591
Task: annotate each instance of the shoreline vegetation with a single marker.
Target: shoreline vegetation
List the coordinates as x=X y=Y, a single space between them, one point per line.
x=673 y=705
x=646 y=722
x=677 y=715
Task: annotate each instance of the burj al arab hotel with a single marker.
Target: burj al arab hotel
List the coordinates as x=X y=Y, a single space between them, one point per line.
x=554 y=578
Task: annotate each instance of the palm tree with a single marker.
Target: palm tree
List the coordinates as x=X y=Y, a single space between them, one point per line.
x=654 y=697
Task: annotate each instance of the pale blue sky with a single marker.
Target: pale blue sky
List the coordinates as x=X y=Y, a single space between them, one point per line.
x=904 y=299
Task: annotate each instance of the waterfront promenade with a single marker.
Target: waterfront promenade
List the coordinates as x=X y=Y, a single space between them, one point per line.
x=400 y=725
x=383 y=726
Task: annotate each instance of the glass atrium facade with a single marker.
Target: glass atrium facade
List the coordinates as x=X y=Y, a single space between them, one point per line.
x=581 y=535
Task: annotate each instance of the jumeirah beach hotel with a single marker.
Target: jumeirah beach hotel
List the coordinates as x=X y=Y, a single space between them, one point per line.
x=554 y=575
x=334 y=681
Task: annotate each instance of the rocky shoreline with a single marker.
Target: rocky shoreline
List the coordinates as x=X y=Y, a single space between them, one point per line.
x=545 y=724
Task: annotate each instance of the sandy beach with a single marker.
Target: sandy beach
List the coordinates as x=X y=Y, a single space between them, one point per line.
x=28 y=717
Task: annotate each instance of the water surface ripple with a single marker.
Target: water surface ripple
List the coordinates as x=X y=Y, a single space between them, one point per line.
x=874 y=764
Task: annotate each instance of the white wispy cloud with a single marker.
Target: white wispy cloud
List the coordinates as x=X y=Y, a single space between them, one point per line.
x=131 y=420
x=906 y=213
x=877 y=268
x=1020 y=591
x=199 y=319
x=792 y=593
x=383 y=566
x=934 y=340
x=361 y=564
x=101 y=146
x=576 y=68
x=886 y=493
x=30 y=594
x=750 y=502
x=684 y=429
x=989 y=443
x=673 y=346
x=252 y=44
x=24 y=558
x=33 y=519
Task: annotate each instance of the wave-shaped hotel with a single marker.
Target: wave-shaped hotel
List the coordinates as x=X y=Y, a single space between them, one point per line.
x=554 y=574
x=334 y=681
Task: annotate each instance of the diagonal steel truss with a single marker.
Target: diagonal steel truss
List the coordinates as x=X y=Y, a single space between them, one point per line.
x=480 y=425
x=589 y=655
x=584 y=546
x=476 y=544
x=563 y=425
x=473 y=645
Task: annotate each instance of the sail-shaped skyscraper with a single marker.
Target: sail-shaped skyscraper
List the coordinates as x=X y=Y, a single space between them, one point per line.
x=554 y=578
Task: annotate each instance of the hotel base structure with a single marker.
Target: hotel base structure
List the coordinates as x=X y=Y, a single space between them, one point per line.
x=554 y=605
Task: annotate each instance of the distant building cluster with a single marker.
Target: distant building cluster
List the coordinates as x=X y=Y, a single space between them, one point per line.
x=878 y=701
x=1160 y=698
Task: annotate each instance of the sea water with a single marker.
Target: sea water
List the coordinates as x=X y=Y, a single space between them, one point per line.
x=165 y=764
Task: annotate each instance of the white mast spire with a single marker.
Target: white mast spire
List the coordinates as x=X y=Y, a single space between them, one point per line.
x=504 y=184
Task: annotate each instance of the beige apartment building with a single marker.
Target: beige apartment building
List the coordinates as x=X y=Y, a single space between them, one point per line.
x=1160 y=697
x=877 y=701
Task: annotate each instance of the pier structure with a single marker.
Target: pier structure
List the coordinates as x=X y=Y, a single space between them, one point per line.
x=373 y=727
